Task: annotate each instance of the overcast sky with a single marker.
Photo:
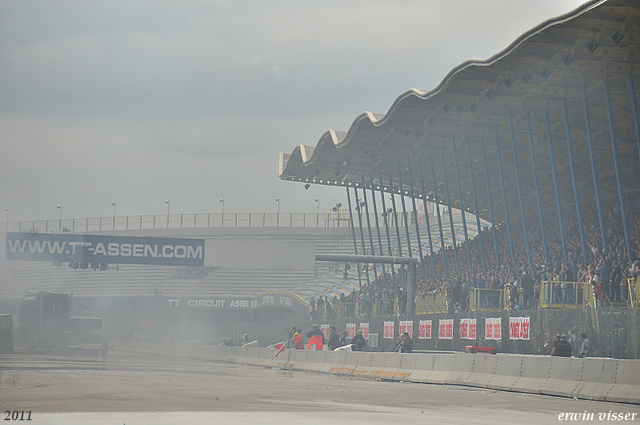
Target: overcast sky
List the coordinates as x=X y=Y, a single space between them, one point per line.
x=138 y=102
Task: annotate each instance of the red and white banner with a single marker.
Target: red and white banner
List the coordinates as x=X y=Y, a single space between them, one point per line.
x=388 y=330
x=406 y=326
x=351 y=330
x=424 y=331
x=493 y=328
x=519 y=327
x=445 y=329
x=467 y=328
x=325 y=330
x=365 y=330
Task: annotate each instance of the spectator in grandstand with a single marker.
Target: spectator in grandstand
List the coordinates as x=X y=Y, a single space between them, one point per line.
x=634 y=270
x=581 y=273
x=313 y=313
x=566 y=276
x=594 y=279
x=527 y=287
x=479 y=282
x=320 y=306
x=402 y=302
x=358 y=342
x=585 y=346
x=328 y=311
x=616 y=279
x=604 y=271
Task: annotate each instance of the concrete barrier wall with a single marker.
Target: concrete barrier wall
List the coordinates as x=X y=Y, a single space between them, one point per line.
x=592 y=378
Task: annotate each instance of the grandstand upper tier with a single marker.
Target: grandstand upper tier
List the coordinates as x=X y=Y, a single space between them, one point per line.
x=20 y=277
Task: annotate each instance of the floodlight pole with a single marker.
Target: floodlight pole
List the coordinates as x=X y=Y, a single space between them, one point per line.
x=411 y=263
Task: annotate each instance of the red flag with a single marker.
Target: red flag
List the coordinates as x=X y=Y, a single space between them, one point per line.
x=280 y=347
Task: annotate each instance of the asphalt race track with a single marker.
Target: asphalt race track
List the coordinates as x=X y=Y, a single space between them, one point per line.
x=124 y=388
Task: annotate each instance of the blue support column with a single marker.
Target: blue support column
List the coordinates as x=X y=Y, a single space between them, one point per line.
x=593 y=166
x=515 y=165
x=504 y=197
x=386 y=226
x=537 y=186
x=475 y=204
x=366 y=208
x=446 y=190
x=353 y=232
x=426 y=218
x=464 y=217
x=375 y=213
x=437 y=206
x=415 y=216
x=555 y=187
x=395 y=218
x=404 y=210
x=634 y=106
x=616 y=163
x=574 y=180
x=493 y=220
x=364 y=247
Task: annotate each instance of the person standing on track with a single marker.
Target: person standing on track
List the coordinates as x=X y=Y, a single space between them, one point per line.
x=298 y=340
x=358 y=342
x=316 y=338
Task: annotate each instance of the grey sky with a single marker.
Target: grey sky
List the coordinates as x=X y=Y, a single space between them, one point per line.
x=192 y=101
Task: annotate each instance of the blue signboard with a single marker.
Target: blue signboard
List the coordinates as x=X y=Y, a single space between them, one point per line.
x=105 y=249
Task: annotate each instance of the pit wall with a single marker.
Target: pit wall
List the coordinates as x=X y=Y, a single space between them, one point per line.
x=604 y=379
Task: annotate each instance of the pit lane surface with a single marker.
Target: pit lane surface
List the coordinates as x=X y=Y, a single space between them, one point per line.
x=125 y=388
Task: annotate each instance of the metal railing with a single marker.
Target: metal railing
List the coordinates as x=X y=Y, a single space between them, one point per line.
x=633 y=285
x=481 y=299
x=347 y=310
x=566 y=295
x=432 y=303
x=327 y=219
x=385 y=307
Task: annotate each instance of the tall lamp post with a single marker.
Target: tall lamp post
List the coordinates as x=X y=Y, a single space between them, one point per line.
x=318 y=212
x=222 y=216
x=336 y=210
x=60 y=227
x=168 y=211
x=114 y=215
x=278 y=215
x=6 y=226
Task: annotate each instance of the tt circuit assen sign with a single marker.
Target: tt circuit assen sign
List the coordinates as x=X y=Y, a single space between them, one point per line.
x=105 y=249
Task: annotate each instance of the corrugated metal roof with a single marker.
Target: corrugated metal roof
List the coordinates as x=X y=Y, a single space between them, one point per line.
x=594 y=45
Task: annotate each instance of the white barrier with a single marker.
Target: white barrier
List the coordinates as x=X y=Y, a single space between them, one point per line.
x=507 y=373
x=627 y=388
x=591 y=378
x=534 y=372
x=484 y=370
x=461 y=369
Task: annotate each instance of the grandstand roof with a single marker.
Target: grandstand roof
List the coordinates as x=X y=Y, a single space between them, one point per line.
x=547 y=67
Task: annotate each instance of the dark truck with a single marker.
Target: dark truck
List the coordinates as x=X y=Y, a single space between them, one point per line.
x=46 y=324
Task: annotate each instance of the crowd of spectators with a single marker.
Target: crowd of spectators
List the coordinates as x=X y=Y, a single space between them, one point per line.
x=607 y=268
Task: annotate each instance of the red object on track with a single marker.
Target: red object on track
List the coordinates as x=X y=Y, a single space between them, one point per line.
x=474 y=349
